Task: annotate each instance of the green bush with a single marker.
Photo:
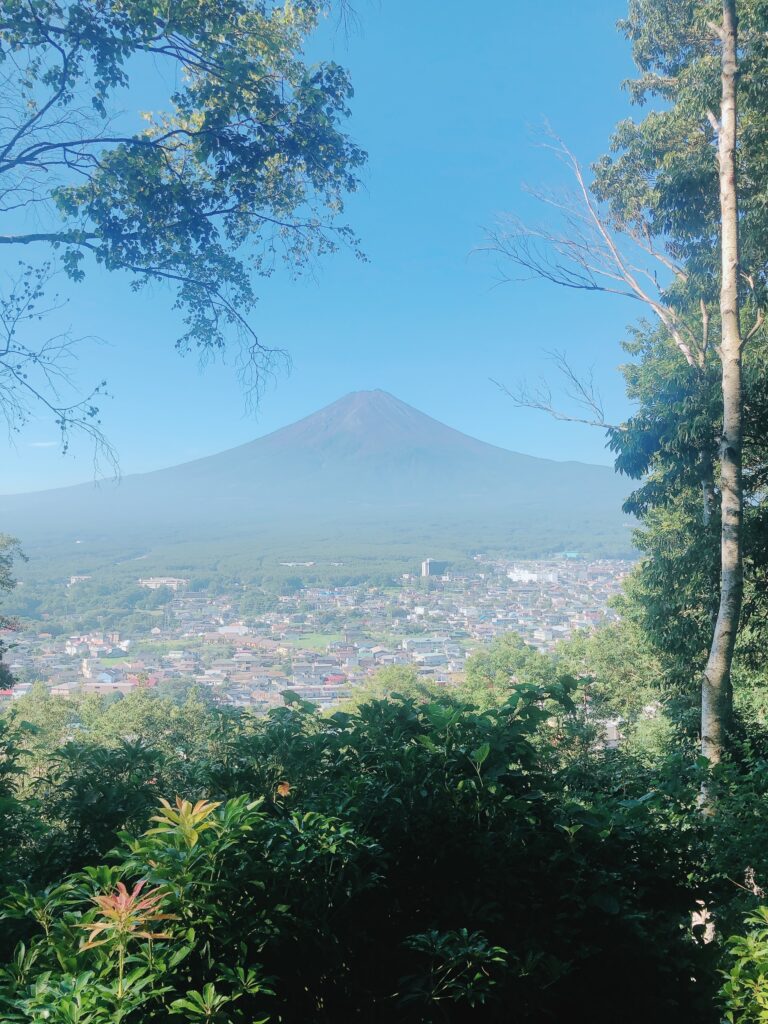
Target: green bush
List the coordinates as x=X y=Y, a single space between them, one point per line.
x=407 y=861
x=745 y=991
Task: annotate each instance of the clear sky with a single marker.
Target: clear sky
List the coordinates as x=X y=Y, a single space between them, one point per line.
x=449 y=99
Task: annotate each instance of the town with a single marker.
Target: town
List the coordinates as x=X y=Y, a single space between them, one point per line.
x=320 y=643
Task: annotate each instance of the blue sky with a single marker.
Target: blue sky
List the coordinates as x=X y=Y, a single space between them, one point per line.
x=449 y=100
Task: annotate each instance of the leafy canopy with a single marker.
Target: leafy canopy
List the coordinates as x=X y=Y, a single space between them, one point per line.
x=243 y=164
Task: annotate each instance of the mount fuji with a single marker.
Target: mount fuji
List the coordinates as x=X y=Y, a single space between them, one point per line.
x=367 y=465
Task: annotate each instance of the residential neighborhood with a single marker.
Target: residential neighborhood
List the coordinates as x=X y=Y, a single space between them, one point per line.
x=320 y=643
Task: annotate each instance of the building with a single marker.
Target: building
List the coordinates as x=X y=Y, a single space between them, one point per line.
x=157 y=582
x=431 y=567
x=77 y=579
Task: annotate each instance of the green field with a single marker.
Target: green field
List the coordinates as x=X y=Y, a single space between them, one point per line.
x=314 y=641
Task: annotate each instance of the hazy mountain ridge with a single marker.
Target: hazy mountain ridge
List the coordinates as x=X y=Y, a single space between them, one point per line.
x=367 y=461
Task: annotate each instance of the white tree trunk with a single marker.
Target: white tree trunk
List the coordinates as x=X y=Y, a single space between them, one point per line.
x=716 y=697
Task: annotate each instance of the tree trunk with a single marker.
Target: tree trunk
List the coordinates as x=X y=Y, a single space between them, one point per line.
x=716 y=697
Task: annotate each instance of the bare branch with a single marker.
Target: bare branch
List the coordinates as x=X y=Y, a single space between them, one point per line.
x=583 y=391
x=37 y=377
x=759 y=321
x=592 y=253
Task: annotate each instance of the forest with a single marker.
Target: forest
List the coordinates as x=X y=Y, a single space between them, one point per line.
x=488 y=852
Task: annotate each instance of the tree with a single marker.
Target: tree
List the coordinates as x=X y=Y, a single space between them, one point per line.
x=624 y=668
x=244 y=165
x=661 y=225
x=493 y=670
x=402 y=680
x=9 y=553
x=716 y=692
x=675 y=429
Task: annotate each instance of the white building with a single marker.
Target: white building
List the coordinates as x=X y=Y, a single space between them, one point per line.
x=157 y=582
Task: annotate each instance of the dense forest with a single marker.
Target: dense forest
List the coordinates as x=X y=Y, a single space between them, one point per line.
x=582 y=834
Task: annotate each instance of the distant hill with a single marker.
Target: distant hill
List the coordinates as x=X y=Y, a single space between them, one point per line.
x=366 y=470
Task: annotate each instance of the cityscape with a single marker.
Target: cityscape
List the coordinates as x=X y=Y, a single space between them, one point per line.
x=322 y=642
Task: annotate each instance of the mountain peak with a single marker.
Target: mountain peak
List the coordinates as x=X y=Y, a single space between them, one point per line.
x=367 y=465
x=367 y=424
x=375 y=402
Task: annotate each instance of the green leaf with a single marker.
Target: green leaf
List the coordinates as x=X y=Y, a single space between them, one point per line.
x=480 y=755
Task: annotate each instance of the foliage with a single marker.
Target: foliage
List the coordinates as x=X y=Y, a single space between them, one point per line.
x=418 y=858
x=397 y=680
x=662 y=172
x=669 y=445
x=624 y=671
x=493 y=670
x=461 y=969
x=415 y=855
x=745 y=991
x=241 y=165
x=10 y=551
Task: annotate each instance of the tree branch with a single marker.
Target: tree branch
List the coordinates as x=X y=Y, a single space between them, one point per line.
x=590 y=257
x=582 y=391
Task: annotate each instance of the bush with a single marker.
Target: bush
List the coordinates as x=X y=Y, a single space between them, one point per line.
x=406 y=861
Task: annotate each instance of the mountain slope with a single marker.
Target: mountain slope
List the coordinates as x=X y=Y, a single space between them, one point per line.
x=367 y=462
